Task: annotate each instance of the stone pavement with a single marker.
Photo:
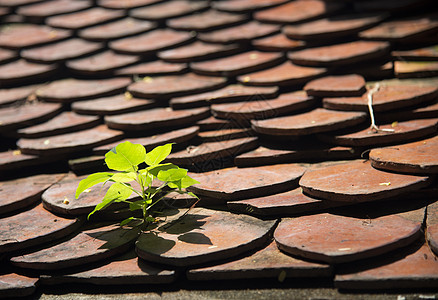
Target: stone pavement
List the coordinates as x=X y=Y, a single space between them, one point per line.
x=311 y=126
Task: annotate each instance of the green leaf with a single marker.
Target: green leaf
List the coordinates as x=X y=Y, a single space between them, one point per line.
x=126 y=221
x=171 y=174
x=193 y=195
x=92 y=180
x=156 y=169
x=136 y=205
x=158 y=154
x=124 y=177
x=183 y=183
x=125 y=156
x=117 y=192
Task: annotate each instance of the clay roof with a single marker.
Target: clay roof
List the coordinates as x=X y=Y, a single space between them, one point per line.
x=311 y=126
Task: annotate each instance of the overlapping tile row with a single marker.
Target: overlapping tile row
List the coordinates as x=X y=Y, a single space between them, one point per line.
x=310 y=124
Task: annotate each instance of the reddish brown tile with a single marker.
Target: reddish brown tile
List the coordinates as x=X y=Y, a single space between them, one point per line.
x=90 y=245
x=206 y=21
x=419 y=54
x=277 y=42
x=177 y=137
x=15 y=117
x=263 y=108
x=151 y=42
x=340 y=54
x=230 y=93
x=225 y=134
x=269 y=262
x=62 y=123
x=238 y=64
x=173 y=86
x=37 y=12
x=336 y=86
x=335 y=239
x=402 y=29
x=33 y=227
x=199 y=238
x=28 y=35
x=154 y=68
x=101 y=64
x=387 y=97
x=253 y=182
x=415 y=267
x=333 y=27
x=125 y=4
x=418 y=157
x=69 y=90
x=297 y=11
x=156 y=118
x=69 y=142
x=399 y=132
x=198 y=51
x=15 y=160
x=125 y=269
x=357 y=181
x=239 y=34
x=168 y=9
x=212 y=123
x=22 y=72
x=113 y=105
x=14 y=3
x=118 y=29
x=86 y=18
x=302 y=151
x=29 y=192
x=411 y=69
x=241 y=6
x=62 y=51
x=286 y=74
x=9 y=96
x=7 y=56
x=212 y=154
x=60 y=198
x=432 y=227
x=15 y=285
x=289 y=203
x=315 y=121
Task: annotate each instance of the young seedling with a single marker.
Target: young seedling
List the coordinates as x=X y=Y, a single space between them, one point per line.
x=126 y=158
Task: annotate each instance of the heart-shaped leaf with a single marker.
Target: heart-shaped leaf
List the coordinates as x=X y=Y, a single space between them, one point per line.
x=125 y=157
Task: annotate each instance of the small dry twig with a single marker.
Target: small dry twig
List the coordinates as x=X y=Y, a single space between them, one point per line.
x=374 y=127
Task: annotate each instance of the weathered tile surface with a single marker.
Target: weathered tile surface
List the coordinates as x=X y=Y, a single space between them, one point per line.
x=266 y=263
x=167 y=9
x=40 y=228
x=340 y=54
x=116 y=4
x=62 y=51
x=245 y=5
x=432 y=227
x=15 y=285
x=336 y=86
x=286 y=74
x=238 y=64
x=174 y=86
x=125 y=269
x=156 y=118
x=30 y=191
x=417 y=269
x=315 y=121
x=155 y=68
x=112 y=105
x=414 y=69
x=335 y=238
x=69 y=90
x=288 y=203
x=256 y=181
x=20 y=71
x=396 y=132
x=277 y=42
x=70 y=142
x=89 y=245
x=419 y=54
x=62 y=123
x=198 y=238
x=47 y=9
x=417 y=157
x=9 y=96
x=358 y=181
x=117 y=29
x=263 y=108
x=28 y=35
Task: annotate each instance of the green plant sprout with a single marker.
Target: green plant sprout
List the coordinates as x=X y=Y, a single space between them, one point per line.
x=126 y=158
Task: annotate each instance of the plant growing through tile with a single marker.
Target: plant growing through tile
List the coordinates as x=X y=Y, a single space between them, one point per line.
x=125 y=158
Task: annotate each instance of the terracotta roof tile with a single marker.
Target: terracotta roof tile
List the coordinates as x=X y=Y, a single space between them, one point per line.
x=336 y=86
x=419 y=54
x=167 y=9
x=125 y=4
x=43 y=10
x=415 y=69
x=7 y=56
x=154 y=68
x=15 y=285
x=20 y=72
x=277 y=42
x=245 y=5
x=13 y=95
